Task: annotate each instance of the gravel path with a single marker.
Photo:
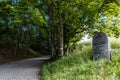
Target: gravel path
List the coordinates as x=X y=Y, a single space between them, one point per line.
x=22 y=70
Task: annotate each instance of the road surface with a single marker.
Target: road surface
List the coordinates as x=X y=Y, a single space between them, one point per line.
x=22 y=70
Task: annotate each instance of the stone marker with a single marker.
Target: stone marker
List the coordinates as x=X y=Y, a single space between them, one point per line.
x=101 y=46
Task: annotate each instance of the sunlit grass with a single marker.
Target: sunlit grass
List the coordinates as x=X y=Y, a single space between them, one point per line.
x=80 y=66
x=115 y=43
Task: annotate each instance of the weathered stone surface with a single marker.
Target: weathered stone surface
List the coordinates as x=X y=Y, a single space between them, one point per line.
x=101 y=46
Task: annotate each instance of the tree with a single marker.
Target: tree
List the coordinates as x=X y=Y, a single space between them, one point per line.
x=68 y=19
x=23 y=25
x=64 y=22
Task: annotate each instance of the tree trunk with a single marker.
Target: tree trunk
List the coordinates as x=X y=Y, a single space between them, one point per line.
x=61 y=40
x=51 y=29
x=56 y=42
x=51 y=44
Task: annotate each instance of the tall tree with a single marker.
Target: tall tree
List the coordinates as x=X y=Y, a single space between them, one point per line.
x=68 y=19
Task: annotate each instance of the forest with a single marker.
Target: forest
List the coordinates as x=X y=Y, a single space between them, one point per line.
x=54 y=27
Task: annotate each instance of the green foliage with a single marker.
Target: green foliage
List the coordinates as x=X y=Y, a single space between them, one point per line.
x=23 y=23
x=115 y=43
x=80 y=66
x=37 y=17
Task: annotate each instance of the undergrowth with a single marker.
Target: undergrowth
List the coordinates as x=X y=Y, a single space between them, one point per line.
x=115 y=43
x=80 y=66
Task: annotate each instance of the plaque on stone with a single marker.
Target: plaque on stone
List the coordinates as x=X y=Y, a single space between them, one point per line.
x=101 y=46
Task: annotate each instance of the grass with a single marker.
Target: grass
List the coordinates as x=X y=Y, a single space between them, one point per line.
x=115 y=43
x=80 y=66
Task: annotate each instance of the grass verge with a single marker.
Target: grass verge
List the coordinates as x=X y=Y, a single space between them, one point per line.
x=80 y=66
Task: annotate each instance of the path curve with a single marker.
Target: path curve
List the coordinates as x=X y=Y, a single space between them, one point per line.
x=22 y=70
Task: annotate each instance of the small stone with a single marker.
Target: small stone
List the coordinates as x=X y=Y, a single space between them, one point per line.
x=101 y=46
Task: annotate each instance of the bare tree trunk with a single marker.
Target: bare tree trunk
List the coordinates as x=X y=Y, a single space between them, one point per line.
x=51 y=29
x=56 y=41
x=61 y=41
x=51 y=44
